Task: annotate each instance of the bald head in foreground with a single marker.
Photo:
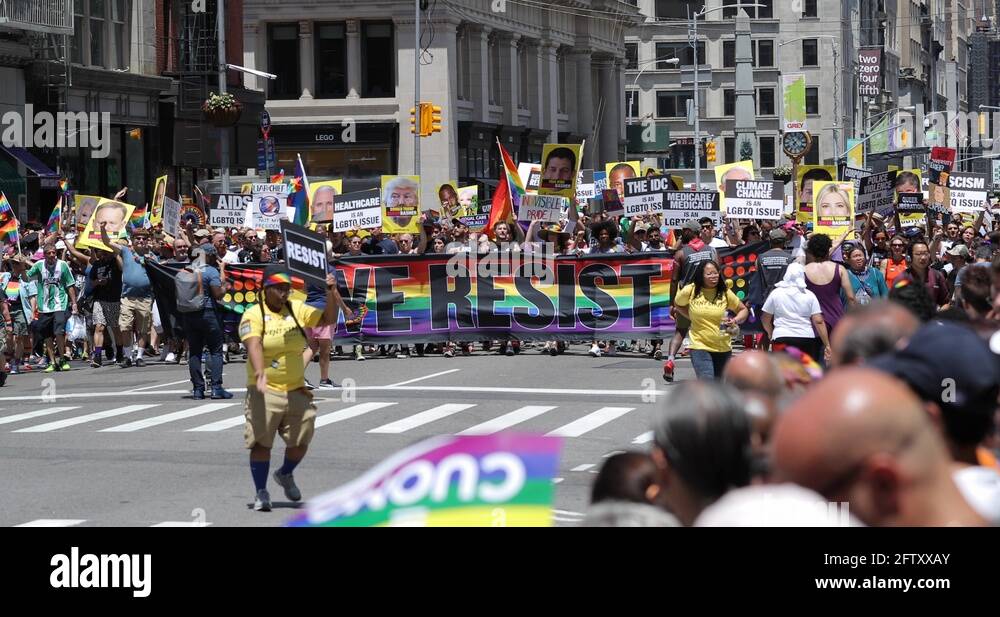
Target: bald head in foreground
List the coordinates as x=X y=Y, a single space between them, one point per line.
x=862 y=437
x=870 y=330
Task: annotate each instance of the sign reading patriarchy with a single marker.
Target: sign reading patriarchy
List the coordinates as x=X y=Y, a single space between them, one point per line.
x=755 y=199
x=869 y=72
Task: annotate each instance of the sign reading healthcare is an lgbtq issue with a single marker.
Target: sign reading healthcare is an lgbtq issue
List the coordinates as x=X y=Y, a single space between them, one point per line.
x=358 y=210
x=755 y=199
x=305 y=253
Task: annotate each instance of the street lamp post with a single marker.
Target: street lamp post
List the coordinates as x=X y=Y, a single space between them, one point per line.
x=872 y=121
x=631 y=97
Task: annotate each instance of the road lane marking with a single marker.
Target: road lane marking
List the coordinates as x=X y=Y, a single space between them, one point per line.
x=582 y=467
x=507 y=420
x=422 y=418
x=91 y=417
x=221 y=425
x=644 y=438
x=181 y=524
x=35 y=414
x=584 y=425
x=53 y=522
x=159 y=385
x=138 y=425
x=403 y=383
x=350 y=412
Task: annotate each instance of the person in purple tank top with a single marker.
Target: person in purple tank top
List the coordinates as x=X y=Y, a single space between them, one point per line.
x=826 y=279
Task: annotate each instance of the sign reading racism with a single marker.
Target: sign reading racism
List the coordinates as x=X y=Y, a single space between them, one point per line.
x=305 y=253
x=359 y=210
x=755 y=199
x=875 y=192
x=229 y=209
x=968 y=192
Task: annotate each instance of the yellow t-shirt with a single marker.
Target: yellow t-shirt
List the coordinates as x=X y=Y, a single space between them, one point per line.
x=283 y=343
x=706 y=317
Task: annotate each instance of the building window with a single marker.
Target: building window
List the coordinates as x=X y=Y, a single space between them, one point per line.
x=809 y=8
x=765 y=101
x=767 y=158
x=763 y=12
x=562 y=83
x=672 y=9
x=283 y=60
x=631 y=104
x=728 y=54
x=522 y=76
x=631 y=56
x=119 y=42
x=97 y=13
x=331 y=61
x=464 y=52
x=681 y=51
x=728 y=103
x=378 y=51
x=729 y=149
x=77 y=44
x=763 y=55
x=812 y=101
x=810 y=52
x=682 y=156
x=494 y=58
x=813 y=157
x=672 y=104
x=101 y=33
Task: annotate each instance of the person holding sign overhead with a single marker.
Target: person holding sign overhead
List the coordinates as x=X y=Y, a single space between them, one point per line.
x=277 y=400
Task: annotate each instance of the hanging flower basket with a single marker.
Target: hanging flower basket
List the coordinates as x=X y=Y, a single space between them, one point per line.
x=222 y=110
x=782 y=174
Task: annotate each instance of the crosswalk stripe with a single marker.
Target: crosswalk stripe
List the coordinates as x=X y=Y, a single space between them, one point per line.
x=221 y=425
x=582 y=467
x=422 y=418
x=507 y=420
x=35 y=414
x=584 y=425
x=52 y=522
x=644 y=438
x=350 y=412
x=91 y=417
x=181 y=524
x=138 y=425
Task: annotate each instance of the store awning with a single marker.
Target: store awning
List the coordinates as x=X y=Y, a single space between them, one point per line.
x=49 y=178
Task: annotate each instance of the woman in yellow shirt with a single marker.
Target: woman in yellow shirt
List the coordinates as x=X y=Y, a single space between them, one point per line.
x=277 y=398
x=707 y=303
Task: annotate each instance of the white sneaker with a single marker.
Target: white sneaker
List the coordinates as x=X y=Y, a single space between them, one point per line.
x=595 y=351
x=288 y=483
x=170 y=358
x=262 y=503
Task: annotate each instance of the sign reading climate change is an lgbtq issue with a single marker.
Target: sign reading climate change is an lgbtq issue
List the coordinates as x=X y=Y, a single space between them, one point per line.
x=755 y=199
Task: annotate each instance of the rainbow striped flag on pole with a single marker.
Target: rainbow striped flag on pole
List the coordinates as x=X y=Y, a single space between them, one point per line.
x=507 y=198
x=55 y=219
x=138 y=220
x=299 y=196
x=8 y=223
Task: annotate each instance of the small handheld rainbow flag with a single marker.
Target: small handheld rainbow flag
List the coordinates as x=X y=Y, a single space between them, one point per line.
x=8 y=223
x=138 y=219
x=55 y=219
x=278 y=178
x=64 y=185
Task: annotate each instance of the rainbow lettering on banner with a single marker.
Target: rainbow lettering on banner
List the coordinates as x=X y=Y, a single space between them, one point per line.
x=501 y=480
x=414 y=298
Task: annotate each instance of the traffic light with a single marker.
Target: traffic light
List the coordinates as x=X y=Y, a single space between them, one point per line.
x=415 y=125
x=710 y=151
x=430 y=119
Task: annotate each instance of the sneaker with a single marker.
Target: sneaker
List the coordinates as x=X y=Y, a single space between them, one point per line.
x=97 y=362
x=327 y=384
x=221 y=393
x=64 y=366
x=359 y=355
x=668 y=370
x=658 y=354
x=198 y=395
x=316 y=358
x=139 y=362
x=466 y=349
x=404 y=352
x=508 y=351
x=553 y=350
x=14 y=370
x=262 y=503
x=517 y=346
x=449 y=353
x=287 y=482
x=309 y=385
x=170 y=358
x=50 y=368
x=595 y=351
x=125 y=362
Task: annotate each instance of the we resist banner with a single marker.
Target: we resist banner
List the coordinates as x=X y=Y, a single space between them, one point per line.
x=433 y=298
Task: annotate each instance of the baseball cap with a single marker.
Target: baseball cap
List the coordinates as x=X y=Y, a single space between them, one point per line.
x=777 y=234
x=949 y=365
x=693 y=225
x=202 y=233
x=959 y=250
x=641 y=227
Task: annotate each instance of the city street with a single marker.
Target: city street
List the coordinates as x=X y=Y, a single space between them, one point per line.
x=128 y=447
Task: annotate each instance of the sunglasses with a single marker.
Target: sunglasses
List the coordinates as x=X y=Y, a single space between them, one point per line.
x=897 y=246
x=708 y=226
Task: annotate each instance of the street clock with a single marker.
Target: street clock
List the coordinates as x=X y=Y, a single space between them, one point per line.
x=797 y=145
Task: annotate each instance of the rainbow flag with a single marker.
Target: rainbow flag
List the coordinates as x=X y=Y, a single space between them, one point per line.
x=278 y=178
x=8 y=223
x=507 y=199
x=138 y=219
x=64 y=185
x=299 y=195
x=447 y=482
x=55 y=219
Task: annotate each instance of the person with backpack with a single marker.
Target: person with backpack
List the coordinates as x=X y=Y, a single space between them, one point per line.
x=278 y=400
x=199 y=286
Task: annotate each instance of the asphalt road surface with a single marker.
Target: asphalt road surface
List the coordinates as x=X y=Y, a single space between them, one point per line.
x=129 y=447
